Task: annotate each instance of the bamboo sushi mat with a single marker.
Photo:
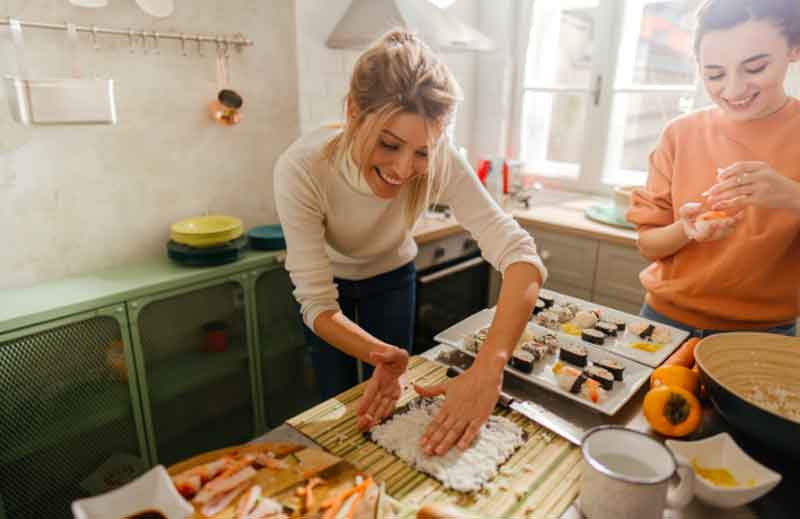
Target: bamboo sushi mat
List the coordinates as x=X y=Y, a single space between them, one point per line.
x=539 y=481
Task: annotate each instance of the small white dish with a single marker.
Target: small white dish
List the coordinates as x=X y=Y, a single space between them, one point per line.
x=153 y=490
x=720 y=451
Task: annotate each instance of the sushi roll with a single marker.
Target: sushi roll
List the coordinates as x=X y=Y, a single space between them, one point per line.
x=584 y=319
x=549 y=320
x=642 y=330
x=602 y=375
x=593 y=336
x=607 y=328
x=551 y=341
x=534 y=348
x=572 y=380
x=522 y=360
x=612 y=366
x=572 y=307
x=540 y=306
x=662 y=335
x=574 y=354
x=474 y=341
x=619 y=323
x=548 y=301
x=564 y=314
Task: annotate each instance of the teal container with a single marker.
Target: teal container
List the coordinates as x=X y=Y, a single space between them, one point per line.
x=267 y=237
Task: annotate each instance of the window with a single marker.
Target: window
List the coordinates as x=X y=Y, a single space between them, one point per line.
x=600 y=80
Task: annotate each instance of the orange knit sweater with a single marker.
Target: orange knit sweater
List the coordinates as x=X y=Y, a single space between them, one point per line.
x=751 y=279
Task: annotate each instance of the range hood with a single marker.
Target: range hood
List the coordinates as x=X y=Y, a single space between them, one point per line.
x=366 y=20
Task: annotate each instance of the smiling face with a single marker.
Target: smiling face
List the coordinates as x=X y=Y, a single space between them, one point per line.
x=400 y=154
x=744 y=68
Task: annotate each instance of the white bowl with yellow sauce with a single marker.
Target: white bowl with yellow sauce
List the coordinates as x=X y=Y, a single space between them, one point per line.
x=725 y=476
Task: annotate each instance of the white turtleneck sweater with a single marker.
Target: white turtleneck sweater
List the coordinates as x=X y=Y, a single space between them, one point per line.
x=335 y=226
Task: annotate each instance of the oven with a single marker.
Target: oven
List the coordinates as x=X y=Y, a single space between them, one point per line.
x=452 y=284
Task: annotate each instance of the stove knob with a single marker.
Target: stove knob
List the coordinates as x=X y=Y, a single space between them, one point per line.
x=438 y=253
x=469 y=244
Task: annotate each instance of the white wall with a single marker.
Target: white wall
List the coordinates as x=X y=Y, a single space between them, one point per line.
x=74 y=199
x=325 y=73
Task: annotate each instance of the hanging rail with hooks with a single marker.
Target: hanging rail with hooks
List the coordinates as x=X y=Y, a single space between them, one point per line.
x=238 y=40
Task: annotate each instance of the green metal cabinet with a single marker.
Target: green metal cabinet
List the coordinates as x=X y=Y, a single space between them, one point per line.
x=287 y=378
x=68 y=408
x=110 y=369
x=195 y=399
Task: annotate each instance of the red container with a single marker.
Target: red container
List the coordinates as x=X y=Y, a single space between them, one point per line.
x=215 y=336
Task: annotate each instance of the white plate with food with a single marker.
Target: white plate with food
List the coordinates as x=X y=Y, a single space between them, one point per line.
x=622 y=333
x=590 y=375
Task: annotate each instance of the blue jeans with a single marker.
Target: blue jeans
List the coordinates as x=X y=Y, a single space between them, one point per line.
x=648 y=312
x=382 y=305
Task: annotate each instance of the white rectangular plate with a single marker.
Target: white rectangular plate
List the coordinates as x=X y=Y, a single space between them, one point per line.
x=621 y=344
x=542 y=375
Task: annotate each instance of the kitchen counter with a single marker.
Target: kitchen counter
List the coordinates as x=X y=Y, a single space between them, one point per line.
x=564 y=214
x=779 y=504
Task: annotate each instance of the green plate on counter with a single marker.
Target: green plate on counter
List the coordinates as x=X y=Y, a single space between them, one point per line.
x=607 y=214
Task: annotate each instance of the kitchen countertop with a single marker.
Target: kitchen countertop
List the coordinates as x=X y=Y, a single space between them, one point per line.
x=564 y=214
x=781 y=503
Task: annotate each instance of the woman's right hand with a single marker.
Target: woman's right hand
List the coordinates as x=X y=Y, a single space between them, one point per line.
x=384 y=387
x=715 y=230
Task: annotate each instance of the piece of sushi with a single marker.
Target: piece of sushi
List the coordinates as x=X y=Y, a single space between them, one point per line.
x=551 y=341
x=593 y=336
x=549 y=320
x=548 y=301
x=643 y=330
x=574 y=381
x=705 y=220
x=574 y=354
x=534 y=348
x=662 y=335
x=564 y=314
x=607 y=328
x=474 y=341
x=539 y=307
x=619 y=323
x=616 y=368
x=584 y=319
x=602 y=375
x=522 y=360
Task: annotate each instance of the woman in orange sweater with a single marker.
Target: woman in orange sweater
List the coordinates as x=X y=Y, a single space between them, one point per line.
x=738 y=267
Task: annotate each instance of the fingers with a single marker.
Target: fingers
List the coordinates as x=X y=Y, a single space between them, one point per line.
x=429 y=391
x=737 y=168
x=433 y=428
x=469 y=435
x=386 y=408
x=449 y=439
x=437 y=431
x=368 y=398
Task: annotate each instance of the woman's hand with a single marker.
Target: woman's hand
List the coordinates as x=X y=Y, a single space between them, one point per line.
x=469 y=400
x=753 y=183
x=714 y=230
x=383 y=388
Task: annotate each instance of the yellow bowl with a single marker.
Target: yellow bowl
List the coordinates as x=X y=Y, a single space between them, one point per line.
x=206 y=225
x=210 y=240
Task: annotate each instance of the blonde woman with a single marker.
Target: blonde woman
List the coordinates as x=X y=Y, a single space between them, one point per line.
x=348 y=199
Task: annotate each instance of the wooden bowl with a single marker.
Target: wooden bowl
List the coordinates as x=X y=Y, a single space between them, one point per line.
x=753 y=380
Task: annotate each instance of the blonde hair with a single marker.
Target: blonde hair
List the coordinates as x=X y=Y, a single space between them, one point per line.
x=400 y=74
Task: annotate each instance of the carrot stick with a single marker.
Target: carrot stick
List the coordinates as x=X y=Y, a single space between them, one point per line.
x=683 y=356
x=355 y=503
x=336 y=502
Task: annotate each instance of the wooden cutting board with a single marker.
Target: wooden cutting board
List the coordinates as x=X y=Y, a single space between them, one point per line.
x=281 y=485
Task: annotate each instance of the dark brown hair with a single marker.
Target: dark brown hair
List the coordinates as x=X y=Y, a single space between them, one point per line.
x=716 y=15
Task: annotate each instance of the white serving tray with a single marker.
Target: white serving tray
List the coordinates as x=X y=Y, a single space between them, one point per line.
x=621 y=344
x=542 y=375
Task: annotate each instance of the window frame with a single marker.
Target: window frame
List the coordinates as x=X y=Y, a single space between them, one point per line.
x=612 y=46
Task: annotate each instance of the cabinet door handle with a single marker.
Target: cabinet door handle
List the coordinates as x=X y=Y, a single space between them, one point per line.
x=459 y=267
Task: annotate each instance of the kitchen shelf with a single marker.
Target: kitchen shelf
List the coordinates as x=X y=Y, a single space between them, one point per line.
x=183 y=372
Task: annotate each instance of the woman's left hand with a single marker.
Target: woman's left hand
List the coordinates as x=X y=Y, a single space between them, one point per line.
x=752 y=183
x=469 y=400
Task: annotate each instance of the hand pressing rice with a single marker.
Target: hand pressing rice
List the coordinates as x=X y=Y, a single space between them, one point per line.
x=465 y=471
